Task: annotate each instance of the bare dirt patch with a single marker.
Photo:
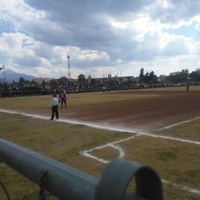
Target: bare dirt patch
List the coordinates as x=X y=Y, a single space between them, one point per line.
x=140 y=115
x=147 y=114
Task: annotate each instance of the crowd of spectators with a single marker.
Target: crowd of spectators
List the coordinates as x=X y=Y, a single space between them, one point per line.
x=79 y=85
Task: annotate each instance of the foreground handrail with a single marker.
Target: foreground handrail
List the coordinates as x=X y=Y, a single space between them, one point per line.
x=66 y=182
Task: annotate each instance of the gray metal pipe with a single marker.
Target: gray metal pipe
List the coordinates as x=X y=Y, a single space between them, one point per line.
x=62 y=181
x=68 y=183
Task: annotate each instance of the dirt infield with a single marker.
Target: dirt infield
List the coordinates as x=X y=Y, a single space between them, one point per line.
x=162 y=108
x=142 y=115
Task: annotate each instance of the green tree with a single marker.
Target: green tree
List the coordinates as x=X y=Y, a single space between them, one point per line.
x=129 y=82
x=195 y=75
x=149 y=77
x=43 y=84
x=146 y=77
x=63 y=78
x=178 y=77
x=93 y=82
x=152 y=77
x=22 y=80
x=81 y=78
x=184 y=74
x=141 y=74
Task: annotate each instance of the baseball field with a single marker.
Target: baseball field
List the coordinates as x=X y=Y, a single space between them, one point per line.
x=158 y=127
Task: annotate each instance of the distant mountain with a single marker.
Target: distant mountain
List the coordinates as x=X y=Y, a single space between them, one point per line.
x=14 y=76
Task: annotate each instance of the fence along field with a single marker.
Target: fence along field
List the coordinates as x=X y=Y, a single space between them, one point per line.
x=170 y=145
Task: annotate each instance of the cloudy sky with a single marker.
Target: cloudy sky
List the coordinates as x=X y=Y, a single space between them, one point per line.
x=102 y=37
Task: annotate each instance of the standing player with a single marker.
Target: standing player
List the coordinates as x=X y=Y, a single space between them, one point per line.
x=187 y=87
x=63 y=98
x=54 y=107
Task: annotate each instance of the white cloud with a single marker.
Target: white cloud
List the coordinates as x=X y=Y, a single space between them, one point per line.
x=108 y=37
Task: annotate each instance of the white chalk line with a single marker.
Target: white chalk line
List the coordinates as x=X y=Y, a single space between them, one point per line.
x=86 y=153
x=182 y=187
x=176 y=124
x=110 y=128
x=92 y=125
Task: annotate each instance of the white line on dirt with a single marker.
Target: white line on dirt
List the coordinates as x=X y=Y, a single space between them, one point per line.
x=112 y=145
x=110 y=128
x=182 y=187
x=176 y=124
x=92 y=125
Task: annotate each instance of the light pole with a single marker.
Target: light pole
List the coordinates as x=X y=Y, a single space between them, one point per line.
x=68 y=57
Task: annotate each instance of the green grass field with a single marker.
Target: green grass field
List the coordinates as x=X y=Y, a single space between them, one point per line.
x=176 y=162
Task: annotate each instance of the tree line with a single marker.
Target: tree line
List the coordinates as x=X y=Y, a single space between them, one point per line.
x=151 y=77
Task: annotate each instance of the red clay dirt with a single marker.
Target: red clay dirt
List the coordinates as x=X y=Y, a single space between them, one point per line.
x=140 y=115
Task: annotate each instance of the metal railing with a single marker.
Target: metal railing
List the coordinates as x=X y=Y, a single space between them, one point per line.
x=67 y=183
